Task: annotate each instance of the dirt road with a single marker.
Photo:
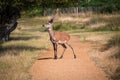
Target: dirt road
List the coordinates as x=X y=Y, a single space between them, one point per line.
x=68 y=68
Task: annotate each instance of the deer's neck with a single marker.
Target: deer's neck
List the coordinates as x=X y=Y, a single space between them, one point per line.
x=51 y=33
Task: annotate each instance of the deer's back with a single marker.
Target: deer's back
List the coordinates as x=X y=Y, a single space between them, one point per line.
x=61 y=36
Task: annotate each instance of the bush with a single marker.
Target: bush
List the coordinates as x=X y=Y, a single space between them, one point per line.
x=64 y=27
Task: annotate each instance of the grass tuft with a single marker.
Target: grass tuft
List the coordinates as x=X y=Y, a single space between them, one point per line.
x=109 y=58
x=113 y=42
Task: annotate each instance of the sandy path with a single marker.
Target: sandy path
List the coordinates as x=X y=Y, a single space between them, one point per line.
x=68 y=68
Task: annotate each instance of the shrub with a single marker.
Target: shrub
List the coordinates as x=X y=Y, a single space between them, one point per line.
x=64 y=27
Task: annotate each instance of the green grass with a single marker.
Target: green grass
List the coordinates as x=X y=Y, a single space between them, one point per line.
x=65 y=27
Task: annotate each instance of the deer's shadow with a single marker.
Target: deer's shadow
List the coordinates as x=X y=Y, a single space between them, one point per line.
x=45 y=58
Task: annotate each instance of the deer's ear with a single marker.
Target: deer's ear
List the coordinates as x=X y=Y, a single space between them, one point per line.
x=51 y=20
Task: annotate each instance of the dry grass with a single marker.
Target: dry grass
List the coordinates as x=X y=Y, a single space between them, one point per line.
x=99 y=37
x=95 y=22
x=18 y=54
x=27 y=42
x=108 y=62
x=107 y=56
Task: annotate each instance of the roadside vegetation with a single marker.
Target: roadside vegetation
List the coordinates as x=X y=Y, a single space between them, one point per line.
x=111 y=64
x=18 y=54
x=94 y=21
x=30 y=39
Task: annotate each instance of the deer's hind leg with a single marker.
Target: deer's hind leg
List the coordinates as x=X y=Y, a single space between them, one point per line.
x=65 y=47
x=72 y=50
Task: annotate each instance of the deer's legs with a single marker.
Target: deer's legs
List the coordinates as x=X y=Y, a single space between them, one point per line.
x=55 y=50
x=65 y=47
x=72 y=50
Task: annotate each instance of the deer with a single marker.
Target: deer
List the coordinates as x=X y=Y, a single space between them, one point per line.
x=58 y=38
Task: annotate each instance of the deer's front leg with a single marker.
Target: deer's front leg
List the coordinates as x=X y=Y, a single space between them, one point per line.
x=55 y=50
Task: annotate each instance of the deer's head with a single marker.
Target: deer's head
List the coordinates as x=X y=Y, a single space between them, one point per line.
x=49 y=24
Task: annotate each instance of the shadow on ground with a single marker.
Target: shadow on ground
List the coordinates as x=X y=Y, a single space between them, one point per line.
x=45 y=58
x=24 y=38
x=16 y=50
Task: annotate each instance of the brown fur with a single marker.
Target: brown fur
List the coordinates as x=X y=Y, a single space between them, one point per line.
x=61 y=36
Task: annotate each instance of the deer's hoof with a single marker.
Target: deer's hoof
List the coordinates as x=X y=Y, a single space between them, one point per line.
x=61 y=57
x=55 y=57
x=75 y=57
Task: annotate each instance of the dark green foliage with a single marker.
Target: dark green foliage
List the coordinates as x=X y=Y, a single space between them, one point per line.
x=25 y=5
x=1 y=45
x=106 y=5
x=33 y=12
